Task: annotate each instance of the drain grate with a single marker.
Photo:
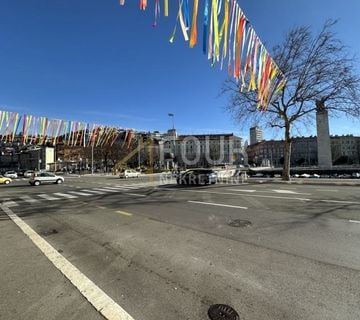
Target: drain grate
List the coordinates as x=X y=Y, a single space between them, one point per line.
x=222 y=312
x=238 y=223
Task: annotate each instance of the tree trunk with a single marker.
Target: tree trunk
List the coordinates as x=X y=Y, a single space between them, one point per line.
x=287 y=154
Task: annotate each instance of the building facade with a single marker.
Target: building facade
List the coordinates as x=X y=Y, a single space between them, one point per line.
x=345 y=150
x=202 y=150
x=256 y=135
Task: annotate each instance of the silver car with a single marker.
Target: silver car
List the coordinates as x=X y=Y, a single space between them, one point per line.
x=45 y=178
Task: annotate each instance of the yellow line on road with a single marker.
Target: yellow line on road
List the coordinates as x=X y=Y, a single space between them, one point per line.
x=124 y=213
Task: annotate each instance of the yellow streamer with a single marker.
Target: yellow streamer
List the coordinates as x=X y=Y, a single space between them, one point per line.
x=166 y=8
x=193 y=35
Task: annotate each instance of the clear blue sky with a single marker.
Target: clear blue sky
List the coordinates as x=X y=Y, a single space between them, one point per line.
x=95 y=61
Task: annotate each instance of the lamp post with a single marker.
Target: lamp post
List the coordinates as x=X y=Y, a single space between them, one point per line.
x=172 y=115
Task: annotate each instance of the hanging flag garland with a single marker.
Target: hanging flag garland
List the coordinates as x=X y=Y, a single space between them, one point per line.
x=228 y=34
x=28 y=129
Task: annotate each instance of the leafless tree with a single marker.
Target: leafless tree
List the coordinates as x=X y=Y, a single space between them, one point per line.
x=320 y=74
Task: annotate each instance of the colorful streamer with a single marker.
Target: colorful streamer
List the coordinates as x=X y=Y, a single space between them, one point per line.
x=228 y=34
x=29 y=129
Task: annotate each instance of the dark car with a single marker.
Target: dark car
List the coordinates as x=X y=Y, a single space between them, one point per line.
x=197 y=176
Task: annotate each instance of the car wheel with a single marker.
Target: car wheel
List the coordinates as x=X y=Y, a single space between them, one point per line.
x=7 y=182
x=36 y=183
x=213 y=182
x=59 y=181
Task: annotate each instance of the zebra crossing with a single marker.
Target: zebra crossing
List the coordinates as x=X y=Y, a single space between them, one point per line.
x=74 y=194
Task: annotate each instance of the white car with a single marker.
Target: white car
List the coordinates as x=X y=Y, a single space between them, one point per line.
x=129 y=174
x=45 y=178
x=28 y=173
x=305 y=175
x=11 y=174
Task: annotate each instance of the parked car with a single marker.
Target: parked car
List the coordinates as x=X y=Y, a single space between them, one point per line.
x=129 y=174
x=28 y=173
x=5 y=180
x=11 y=174
x=356 y=175
x=259 y=175
x=197 y=176
x=45 y=178
x=305 y=175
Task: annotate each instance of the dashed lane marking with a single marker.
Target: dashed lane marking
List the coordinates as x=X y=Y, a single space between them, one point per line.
x=103 y=303
x=135 y=194
x=68 y=196
x=107 y=190
x=81 y=193
x=93 y=191
x=29 y=200
x=47 y=197
x=124 y=213
x=354 y=221
x=339 y=201
x=218 y=204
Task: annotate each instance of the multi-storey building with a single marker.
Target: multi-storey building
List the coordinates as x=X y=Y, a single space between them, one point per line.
x=202 y=150
x=344 y=149
x=256 y=135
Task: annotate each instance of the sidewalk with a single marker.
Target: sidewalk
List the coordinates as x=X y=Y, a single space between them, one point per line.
x=31 y=287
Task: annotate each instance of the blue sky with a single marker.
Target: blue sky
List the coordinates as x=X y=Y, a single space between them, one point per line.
x=95 y=61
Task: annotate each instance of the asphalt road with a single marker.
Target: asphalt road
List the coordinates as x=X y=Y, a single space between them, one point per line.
x=160 y=251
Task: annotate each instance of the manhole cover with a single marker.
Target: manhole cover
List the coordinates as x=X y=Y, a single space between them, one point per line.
x=238 y=223
x=222 y=312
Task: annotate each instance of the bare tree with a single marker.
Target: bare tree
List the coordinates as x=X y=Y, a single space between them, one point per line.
x=320 y=74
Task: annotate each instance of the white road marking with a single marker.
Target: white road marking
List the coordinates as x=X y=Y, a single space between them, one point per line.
x=107 y=190
x=243 y=195
x=97 y=297
x=327 y=190
x=284 y=191
x=270 y=191
x=28 y=199
x=218 y=204
x=242 y=190
x=124 y=213
x=93 y=191
x=10 y=204
x=135 y=194
x=340 y=201
x=354 y=221
x=47 y=197
x=131 y=187
x=78 y=193
x=115 y=188
x=69 y=196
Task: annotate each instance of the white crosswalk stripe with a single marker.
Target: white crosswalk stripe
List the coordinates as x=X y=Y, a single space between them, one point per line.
x=10 y=204
x=78 y=193
x=28 y=199
x=65 y=195
x=115 y=188
x=93 y=191
x=103 y=189
x=47 y=197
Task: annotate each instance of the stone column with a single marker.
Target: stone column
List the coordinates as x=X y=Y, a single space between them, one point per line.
x=323 y=136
